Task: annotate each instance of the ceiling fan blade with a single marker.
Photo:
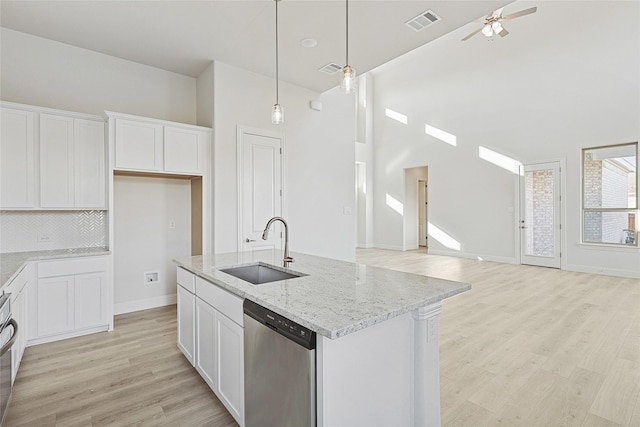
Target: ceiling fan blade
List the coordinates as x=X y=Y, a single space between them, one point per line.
x=496 y=13
x=521 y=13
x=482 y=20
x=504 y=32
x=472 y=34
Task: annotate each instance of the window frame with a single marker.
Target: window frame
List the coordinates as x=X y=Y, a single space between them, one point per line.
x=583 y=210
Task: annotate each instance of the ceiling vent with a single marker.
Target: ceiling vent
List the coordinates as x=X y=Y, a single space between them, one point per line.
x=423 y=20
x=330 y=68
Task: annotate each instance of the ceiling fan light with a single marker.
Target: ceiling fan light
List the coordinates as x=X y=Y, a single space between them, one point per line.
x=277 y=114
x=349 y=82
x=497 y=27
x=487 y=30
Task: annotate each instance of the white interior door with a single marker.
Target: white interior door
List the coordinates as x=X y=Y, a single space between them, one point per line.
x=540 y=215
x=260 y=188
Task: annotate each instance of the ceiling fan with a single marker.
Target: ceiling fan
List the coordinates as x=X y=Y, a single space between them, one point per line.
x=491 y=24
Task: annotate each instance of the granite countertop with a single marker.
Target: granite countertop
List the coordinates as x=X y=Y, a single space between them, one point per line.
x=13 y=262
x=335 y=298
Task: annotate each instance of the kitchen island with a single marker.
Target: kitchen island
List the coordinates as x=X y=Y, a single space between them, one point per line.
x=377 y=332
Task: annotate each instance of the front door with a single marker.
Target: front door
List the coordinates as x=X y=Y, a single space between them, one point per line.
x=540 y=210
x=260 y=187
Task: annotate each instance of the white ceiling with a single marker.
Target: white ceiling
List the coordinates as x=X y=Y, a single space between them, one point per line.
x=184 y=36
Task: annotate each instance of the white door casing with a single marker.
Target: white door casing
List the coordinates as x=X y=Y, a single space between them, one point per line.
x=260 y=185
x=540 y=215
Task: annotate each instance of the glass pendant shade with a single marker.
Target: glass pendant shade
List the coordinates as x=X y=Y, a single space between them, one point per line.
x=277 y=114
x=496 y=27
x=349 y=81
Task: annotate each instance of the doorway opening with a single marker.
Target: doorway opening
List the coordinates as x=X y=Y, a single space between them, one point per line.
x=415 y=216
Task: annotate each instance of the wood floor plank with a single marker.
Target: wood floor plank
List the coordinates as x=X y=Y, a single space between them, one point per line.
x=133 y=376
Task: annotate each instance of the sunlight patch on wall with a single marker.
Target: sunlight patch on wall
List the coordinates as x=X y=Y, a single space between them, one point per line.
x=441 y=135
x=395 y=204
x=442 y=237
x=505 y=162
x=399 y=117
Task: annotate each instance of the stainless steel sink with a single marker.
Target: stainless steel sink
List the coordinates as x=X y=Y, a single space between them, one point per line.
x=260 y=273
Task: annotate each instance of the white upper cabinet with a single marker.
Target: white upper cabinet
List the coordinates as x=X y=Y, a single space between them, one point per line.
x=90 y=164
x=183 y=150
x=72 y=163
x=56 y=161
x=138 y=145
x=155 y=146
x=17 y=173
x=51 y=159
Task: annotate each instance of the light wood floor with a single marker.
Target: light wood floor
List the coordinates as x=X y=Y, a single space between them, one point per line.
x=134 y=375
x=526 y=346
x=532 y=346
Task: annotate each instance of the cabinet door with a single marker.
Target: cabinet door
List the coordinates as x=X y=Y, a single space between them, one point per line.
x=187 y=323
x=89 y=299
x=17 y=169
x=138 y=145
x=206 y=342
x=56 y=161
x=19 y=313
x=230 y=370
x=89 y=166
x=55 y=305
x=183 y=150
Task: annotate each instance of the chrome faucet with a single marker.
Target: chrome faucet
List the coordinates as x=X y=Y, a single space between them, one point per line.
x=287 y=259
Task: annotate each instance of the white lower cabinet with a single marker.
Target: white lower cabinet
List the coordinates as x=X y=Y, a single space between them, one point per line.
x=70 y=299
x=19 y=288
x=219 y=341
x=19 y=312
x=206 y=342
x=230 y=357
x=186 y=322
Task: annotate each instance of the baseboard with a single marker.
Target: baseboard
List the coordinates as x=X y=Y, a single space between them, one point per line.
x=389 y=247
x=605 y=271
x=143 y=304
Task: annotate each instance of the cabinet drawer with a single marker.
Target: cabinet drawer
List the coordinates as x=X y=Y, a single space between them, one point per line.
x=223 y=301
x=72 y=266
x=187 y=280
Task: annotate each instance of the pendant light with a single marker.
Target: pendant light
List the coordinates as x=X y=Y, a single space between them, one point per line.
x=348 y=84
x=277 y=111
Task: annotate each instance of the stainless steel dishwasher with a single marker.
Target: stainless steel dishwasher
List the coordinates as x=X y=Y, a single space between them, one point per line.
x=279 y=370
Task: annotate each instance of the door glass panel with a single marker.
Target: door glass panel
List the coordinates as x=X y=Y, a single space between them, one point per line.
x=539 y=213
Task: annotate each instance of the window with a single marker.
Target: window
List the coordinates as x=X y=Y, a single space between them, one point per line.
x=610 y=195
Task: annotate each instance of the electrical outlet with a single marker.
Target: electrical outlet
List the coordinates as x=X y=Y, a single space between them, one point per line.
x=44 y=238
x=151 y=277
x=172 y=223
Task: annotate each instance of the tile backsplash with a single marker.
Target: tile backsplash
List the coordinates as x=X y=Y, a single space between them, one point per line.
x=22 y=231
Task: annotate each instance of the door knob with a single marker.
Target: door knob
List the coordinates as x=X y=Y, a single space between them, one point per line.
x=248 y=240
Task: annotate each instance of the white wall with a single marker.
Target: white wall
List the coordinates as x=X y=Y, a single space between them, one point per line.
x=46 y=73
x=143 y=240
x=319 y=153
x=552 y=87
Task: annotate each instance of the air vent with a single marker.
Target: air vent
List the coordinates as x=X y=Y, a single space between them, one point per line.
x=330 y=68
x=423 y=20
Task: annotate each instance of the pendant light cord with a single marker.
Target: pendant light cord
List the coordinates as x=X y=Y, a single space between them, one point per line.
x=277 y=91
x=347 y=31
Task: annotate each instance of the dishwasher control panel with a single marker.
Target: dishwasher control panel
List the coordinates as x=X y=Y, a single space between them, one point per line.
x=288 y=328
